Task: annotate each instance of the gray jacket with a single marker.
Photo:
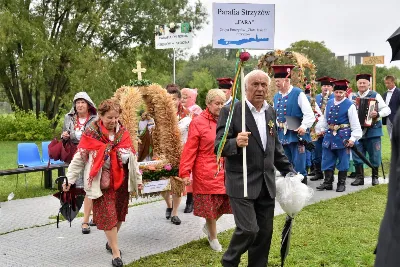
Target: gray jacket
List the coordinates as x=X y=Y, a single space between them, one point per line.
x=70 y=117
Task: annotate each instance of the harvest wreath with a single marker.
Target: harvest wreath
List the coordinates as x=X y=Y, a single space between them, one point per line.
x=166 y=136
x=298 y=75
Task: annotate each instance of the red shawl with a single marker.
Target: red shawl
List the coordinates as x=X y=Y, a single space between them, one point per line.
x=96 y=138
x=182 y=112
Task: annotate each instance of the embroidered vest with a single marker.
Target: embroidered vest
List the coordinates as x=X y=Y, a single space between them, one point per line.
x=318 y=100
x=288 y=106
x=337 y=115
x=376 y=129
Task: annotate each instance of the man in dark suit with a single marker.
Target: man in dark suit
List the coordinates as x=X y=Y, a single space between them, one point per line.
x=253 y=214
x=387 y=252
x=392 y=99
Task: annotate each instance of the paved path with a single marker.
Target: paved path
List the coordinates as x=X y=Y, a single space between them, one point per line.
x=146 y=232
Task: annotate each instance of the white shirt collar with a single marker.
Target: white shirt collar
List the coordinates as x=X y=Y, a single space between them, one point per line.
x=339 y=102
x=391 y=90
x=288 y=92
x=229 y=101
x=252 y=108
x=364 y=94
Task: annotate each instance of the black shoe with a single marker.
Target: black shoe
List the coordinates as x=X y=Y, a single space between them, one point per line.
x=341 y=185
x=352 y=175
x=110 y=250
x=117 y=262
x=108 y=247
x=375 y=175
x=318 y=173
x=341 y=188
x=86 y=231
x=359 y=176
x=358 y=181
x=318 y=176
x=324 y=186
x=327 y=184
x=188 y=208
x=175 y=220
x=311 y=170
x=304 y=181
x=91 y=223
x=168 y=213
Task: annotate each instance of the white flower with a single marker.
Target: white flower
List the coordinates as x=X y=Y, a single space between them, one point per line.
x=172 y=25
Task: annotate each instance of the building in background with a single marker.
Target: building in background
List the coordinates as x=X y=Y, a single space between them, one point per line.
x=355 y=58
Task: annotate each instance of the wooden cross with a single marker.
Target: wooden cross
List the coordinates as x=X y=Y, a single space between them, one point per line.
x=139 y=70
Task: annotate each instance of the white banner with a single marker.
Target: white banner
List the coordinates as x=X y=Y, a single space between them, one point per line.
x=174 y=35
x=249 y=26
x=156 y=186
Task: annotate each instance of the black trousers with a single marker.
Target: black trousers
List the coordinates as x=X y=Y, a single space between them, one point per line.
x=253 y=233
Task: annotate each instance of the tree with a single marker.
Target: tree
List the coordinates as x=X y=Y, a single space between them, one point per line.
x=325 y=60
x=50 y=48
x=203 y=81
x=219 y=62
x=381 y=72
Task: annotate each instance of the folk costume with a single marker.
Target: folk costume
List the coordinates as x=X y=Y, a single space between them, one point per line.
x=110 y=172
x=293 y=103
x=321 y=100
x=340 y=124
x=371 y=140
x=226 y=83
x=76 y=126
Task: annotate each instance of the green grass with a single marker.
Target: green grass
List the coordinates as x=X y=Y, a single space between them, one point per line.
x=386 y=153
x=8 y=160
x=338 y=232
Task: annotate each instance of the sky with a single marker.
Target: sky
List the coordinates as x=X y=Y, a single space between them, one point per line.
x=346 y=26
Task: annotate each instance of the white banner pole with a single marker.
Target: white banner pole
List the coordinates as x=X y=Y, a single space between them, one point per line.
x=174 y=64
x=244 y=130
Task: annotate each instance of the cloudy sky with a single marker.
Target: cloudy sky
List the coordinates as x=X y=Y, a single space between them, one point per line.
x=346 y=26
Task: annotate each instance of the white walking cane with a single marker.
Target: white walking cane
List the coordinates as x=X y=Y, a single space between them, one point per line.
x=244 y=130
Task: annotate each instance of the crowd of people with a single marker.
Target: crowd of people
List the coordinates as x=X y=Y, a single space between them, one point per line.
x=280 y=137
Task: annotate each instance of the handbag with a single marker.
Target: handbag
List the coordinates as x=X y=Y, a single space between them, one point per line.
x=68 y=151
x=54 y=149
x=105 y=179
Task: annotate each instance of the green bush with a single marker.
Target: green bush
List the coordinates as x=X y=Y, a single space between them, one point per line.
x=24 y=126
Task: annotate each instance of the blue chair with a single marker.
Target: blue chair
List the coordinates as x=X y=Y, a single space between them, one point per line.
x=45 y=154
x=28 y=156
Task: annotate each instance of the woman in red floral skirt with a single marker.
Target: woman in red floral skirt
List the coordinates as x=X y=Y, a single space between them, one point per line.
x=104 y=153
x=198 y=159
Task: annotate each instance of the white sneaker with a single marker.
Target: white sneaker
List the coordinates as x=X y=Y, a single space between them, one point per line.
x=215 y=245
x=205 y=231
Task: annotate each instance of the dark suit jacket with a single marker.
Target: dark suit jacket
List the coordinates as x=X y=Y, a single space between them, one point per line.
x=260 y=163
x=389 y=235
x=393 y=105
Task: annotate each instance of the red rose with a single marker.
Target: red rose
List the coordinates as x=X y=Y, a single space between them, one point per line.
x=244 y=56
